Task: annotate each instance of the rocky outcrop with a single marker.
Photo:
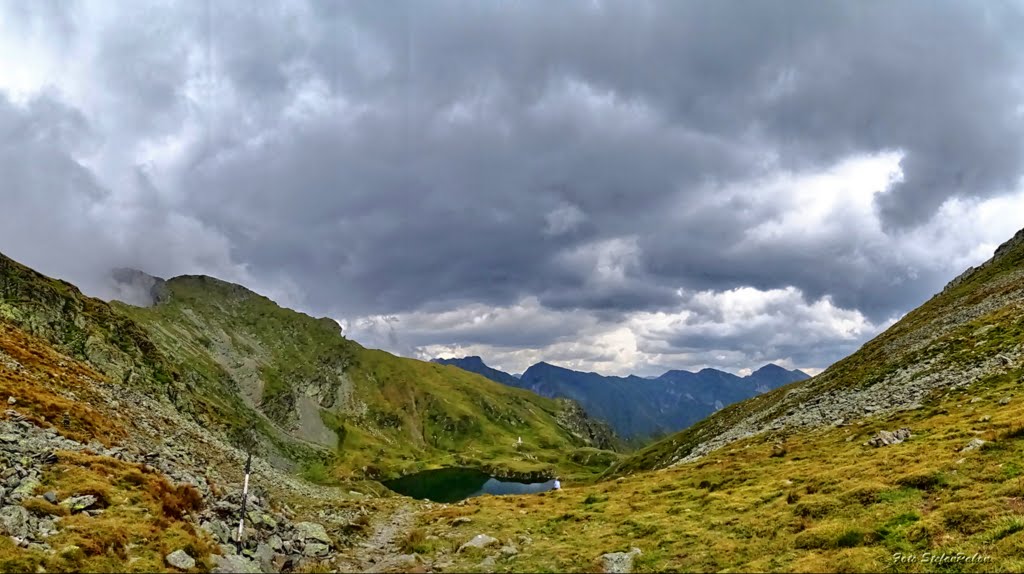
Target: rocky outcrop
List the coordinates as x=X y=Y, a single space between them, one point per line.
x=80 y=326
x=619 y=561
x=1007 y=247
x=593 y=432
x=886 y=438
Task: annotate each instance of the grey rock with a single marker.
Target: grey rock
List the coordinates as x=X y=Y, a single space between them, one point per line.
x=975 y=444
x=225 y=507
x=509 y=551
x=312 y=531
x=265 y=556
x=487 y=563
x=45 y=527
x=79 y=503
x=399 y=563
x=316 y=549
x=26 y=488
x=234 y=563
x=886 y=438
x=14 y=521
x=51 y=497
x=1004 y=401
x=180 y=560
x=461 y=520
x=479 y=541
x=619 y=561
x=218 y=529
x=12 y=401
x=275 y=542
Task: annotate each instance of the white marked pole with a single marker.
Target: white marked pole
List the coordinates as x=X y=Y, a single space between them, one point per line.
x=245 y=497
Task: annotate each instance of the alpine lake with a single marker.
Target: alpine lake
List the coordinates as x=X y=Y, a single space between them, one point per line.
x=447 y=485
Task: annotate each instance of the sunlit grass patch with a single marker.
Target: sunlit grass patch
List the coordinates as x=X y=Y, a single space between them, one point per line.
x=144 y=517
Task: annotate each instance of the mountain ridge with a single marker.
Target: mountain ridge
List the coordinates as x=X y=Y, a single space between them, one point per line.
x=239 y=363
x=639 y=407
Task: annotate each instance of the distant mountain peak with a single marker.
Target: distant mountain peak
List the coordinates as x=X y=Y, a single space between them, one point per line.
x=476 y=364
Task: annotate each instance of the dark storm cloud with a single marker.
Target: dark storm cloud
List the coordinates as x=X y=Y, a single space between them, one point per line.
x=395 y=157
x=615 y=109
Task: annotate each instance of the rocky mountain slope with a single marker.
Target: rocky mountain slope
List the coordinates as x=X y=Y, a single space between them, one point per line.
x=969 y=333
x=636 y=407
x=99 y=475
x=234 y=361
x=120 y=440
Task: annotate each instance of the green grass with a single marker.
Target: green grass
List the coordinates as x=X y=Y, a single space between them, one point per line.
x=391 y=415
x=828 y=505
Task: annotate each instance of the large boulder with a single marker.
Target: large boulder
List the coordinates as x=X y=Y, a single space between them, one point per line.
x=619 y=561
x=480 y=541
x=312 y=531
x=180 y=560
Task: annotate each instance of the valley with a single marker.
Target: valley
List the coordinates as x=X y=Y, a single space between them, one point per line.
x=125 y=431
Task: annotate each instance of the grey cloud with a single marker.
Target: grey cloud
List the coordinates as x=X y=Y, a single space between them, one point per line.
x=395 y=158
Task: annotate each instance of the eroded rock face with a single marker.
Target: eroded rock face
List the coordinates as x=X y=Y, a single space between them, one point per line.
x=594 y=432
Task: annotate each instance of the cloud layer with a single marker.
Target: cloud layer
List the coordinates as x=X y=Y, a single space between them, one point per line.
x=614 y=186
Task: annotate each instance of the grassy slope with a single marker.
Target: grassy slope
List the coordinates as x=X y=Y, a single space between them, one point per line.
x=143 y=520
x=392 y=415
x=828 y=504
x=926 y=334
x=82 y=327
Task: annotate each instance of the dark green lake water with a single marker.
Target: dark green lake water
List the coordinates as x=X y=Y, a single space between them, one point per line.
x=455 y=484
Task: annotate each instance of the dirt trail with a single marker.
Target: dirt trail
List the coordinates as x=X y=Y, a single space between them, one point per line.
x=381 y=551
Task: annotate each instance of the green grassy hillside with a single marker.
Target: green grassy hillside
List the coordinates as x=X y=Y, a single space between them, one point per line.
x=972 y=330
x=321 y=404
x=367 y=412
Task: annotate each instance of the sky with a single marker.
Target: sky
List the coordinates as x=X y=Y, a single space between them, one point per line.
x=620 y=187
